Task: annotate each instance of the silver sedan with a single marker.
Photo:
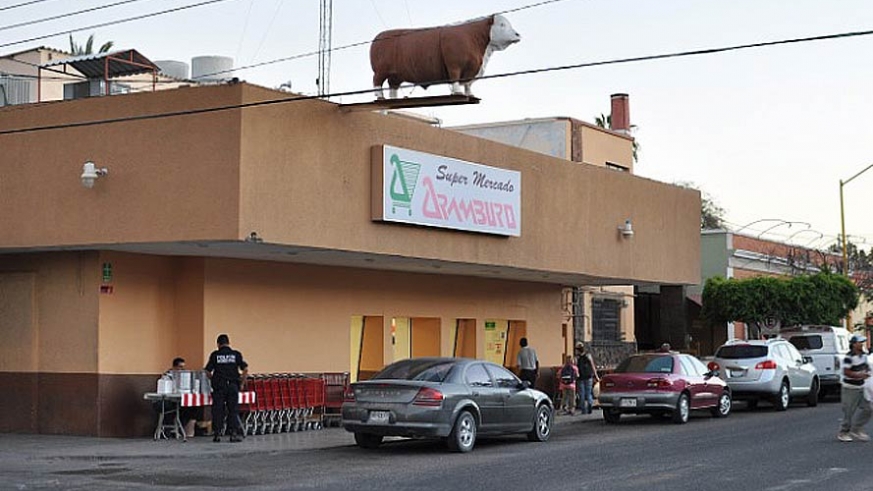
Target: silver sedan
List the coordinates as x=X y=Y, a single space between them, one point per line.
x=455 y=399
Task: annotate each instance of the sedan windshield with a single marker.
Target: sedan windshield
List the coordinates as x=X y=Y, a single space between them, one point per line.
x=424 y=370
x=646 y=364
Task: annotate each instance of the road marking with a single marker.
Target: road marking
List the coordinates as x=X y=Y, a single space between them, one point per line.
x=794 y=483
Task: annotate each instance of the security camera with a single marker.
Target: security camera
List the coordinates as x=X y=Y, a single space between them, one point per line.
x=627 y=229
x=90 y=173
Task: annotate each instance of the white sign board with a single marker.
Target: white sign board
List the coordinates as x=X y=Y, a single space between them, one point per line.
x=425 y=189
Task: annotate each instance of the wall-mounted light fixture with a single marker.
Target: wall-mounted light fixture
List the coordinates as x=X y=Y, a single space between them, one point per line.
x=90 y=173
x=627 y=230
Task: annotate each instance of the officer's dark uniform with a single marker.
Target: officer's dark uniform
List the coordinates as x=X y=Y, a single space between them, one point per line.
x=225 y=364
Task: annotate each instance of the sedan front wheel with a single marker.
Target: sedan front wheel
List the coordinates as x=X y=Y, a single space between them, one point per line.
x=682 y=411
x=542 y=424
x=724 y=406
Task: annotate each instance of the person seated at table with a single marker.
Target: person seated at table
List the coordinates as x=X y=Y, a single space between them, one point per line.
x=187 y=415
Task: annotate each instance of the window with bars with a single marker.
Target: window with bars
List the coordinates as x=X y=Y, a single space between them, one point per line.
x=606 y=319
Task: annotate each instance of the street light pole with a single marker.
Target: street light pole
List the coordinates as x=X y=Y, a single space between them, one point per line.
x=843 y=226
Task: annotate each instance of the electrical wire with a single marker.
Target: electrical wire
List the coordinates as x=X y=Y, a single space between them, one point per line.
x=22 y=4
x=114 y=22
x=706 y=51
x=495 y=76
x=361 y=43
x=69 y=14
x=265 y=33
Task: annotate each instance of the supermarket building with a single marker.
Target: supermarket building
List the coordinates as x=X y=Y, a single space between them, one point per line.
x=300 y=230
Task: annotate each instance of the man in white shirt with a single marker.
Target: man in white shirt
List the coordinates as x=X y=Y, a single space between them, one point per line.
x=528 y=363
x=856 y=409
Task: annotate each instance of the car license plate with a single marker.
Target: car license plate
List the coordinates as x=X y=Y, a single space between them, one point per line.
x=379 y=417
x=628 y=403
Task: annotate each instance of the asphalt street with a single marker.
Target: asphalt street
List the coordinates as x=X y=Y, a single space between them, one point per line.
x=757 y=449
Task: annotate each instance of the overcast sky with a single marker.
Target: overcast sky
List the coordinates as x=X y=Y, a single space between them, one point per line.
x=767 y=132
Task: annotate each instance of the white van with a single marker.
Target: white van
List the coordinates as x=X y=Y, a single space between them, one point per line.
x=826 y=345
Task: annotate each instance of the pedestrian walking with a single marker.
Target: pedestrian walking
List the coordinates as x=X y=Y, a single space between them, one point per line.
x=856 y=409
x=228 y=371
x=567 y=377
x=528 y=363
x=587 y=378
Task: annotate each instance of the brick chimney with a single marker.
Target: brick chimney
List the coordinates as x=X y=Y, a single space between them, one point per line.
x=619 y=119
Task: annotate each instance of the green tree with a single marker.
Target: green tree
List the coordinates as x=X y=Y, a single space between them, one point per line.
x=822 y=298
x=711 y=214
x=860 y=265
x=88 y=48
x=606 y=121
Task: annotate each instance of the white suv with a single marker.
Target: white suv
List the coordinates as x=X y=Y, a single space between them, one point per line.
x=770 y=369
x=826 y=345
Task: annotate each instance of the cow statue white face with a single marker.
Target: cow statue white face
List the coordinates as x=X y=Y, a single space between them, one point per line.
x=502 y=37
x=502 y=34
x=456 y=54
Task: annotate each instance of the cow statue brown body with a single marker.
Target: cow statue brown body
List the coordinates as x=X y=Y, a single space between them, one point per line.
x=455 y=54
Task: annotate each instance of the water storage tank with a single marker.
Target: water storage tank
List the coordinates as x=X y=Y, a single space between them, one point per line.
x=172 y=68
x=211 y=68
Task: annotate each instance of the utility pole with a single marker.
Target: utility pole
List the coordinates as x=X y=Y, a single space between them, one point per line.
x=325 y=27
x=849 y=325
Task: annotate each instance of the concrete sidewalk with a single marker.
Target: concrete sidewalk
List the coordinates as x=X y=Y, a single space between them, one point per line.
x=49 y=446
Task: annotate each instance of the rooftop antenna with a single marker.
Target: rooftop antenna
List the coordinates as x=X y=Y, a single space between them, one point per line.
x=325 y=26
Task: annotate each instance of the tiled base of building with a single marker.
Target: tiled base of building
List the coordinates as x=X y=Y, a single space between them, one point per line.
x=76 y=404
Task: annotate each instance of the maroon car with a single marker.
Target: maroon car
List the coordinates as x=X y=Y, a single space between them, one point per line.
x=663 y=384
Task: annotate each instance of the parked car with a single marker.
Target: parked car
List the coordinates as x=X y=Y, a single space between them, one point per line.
x=826 y=345
x=770 y=369
x=663 y=384
x=456 y=399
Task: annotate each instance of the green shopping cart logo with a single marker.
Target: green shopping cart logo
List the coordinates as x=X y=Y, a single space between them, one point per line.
x=403 y=182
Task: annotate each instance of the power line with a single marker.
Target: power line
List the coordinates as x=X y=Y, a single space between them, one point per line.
x=22 y=4
x=69 y=14
x=500 y=75
x=707 y=51
x=361 y=43
x=114 y=22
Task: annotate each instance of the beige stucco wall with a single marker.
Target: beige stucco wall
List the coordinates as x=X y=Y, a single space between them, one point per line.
x=169 y=179
x=56 y=331
x=154 y=313
x=304 y=164
x=137 y=319
x=600 y=146
x=284 y=170
x=287 y=317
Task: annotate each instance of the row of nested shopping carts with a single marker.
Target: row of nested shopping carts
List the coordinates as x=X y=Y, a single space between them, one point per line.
x=286 y=402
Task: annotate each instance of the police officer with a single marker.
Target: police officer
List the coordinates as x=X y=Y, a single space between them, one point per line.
x=223 y=369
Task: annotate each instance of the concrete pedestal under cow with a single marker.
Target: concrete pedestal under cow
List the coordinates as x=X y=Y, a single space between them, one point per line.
x=454 y=54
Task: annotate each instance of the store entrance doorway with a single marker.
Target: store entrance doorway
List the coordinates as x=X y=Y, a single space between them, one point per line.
x=367 y=346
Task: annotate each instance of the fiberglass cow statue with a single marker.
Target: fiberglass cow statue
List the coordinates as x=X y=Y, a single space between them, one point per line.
x=454 y=53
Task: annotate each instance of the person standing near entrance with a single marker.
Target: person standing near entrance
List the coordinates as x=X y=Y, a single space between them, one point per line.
x=228 y=371
x=528 y=363
x=587 y=378
x=856 y=409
